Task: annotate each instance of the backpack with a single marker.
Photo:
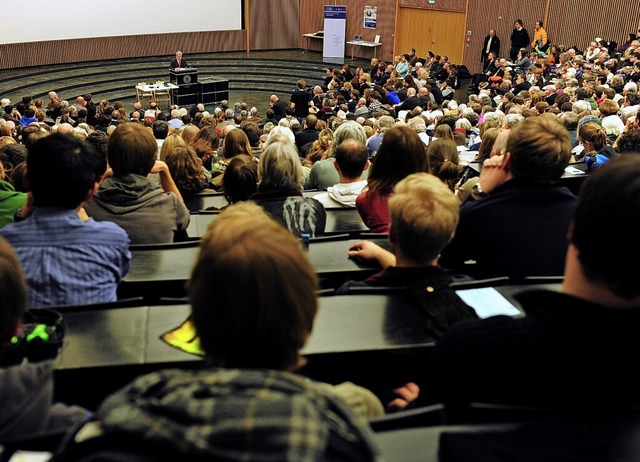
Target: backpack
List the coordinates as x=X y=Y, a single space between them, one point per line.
x=463 y=72
x=543 y=48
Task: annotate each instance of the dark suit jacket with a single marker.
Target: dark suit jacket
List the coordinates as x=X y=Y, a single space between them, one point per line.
x=306 y=136
x=174 y=63
x=490 y=66
x=408 y=104
x=437 y=93
x=495 y=47
x=279 y=108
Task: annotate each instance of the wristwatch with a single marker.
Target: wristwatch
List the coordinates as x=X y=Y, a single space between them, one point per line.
x=477 y=190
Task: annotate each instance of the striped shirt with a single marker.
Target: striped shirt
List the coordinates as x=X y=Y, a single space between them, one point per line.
x=67 y=261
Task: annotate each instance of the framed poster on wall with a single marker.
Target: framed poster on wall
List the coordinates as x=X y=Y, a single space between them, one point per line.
x=370 y=17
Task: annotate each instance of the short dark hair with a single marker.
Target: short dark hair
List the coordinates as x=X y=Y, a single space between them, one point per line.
x=61 y=169
x=629 y=141
x=253 y=133
x=605 y=209
x=99 y=140
x=160 y=129
x=132 y=149
x=13 y=153
x=351 y=156
x=240 y=178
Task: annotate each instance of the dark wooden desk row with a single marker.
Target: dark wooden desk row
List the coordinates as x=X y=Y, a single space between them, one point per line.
x=572 y=177
x=374 y=340
x=339 y=221
x=344 y=324
x=364 y=339
x=198 y=202
x=162 y=271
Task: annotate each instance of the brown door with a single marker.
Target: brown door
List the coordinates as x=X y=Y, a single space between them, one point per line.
x=427 y=30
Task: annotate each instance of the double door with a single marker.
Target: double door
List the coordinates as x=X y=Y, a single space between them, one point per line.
x=442 y=32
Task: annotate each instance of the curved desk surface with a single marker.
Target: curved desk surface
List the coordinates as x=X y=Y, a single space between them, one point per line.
x=175 y=263
x=339 y=221
x=344 y=324
x=369 y=339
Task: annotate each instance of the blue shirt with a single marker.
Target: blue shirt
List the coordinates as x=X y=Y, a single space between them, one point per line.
x=393 y=98
x=67 y=261
x=373 y=144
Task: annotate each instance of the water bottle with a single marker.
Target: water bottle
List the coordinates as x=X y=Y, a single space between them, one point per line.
x=305 y=240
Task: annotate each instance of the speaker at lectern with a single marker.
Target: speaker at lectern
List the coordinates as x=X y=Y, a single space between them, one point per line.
x=183 y=76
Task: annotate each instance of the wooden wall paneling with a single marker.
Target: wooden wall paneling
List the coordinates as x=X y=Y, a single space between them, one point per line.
x=384 y=27
x=275 y=24
x=103 y=48
x=428 y=30
x=413 y=31
x=441 y=5
x=577 y=22
x=312 y=19
x=500 y=15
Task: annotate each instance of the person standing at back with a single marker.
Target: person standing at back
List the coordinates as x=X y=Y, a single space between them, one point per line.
x=491 y=43
x=540 y=41
x=300 y=98
x=519 y=39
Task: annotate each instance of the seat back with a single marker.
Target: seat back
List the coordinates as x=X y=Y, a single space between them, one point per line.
x=483 y=412
x=419 y=417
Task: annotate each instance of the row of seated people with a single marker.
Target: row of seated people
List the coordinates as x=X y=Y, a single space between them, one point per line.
x=133 y=201
x=500 y=171
x=147 y=213
x=253 y=338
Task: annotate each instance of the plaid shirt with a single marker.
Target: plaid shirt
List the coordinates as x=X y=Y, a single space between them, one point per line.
x=255 y=415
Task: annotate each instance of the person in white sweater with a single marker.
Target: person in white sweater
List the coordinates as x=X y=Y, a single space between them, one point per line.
x=351 y=159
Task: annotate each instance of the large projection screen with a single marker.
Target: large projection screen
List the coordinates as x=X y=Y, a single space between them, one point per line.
x=76 y=19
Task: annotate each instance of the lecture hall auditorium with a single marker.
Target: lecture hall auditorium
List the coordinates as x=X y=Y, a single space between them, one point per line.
x=371 y=338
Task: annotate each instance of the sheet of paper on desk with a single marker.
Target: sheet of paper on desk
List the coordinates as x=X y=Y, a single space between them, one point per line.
x=573 y=170
x=488 y=302
x=30 y=456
